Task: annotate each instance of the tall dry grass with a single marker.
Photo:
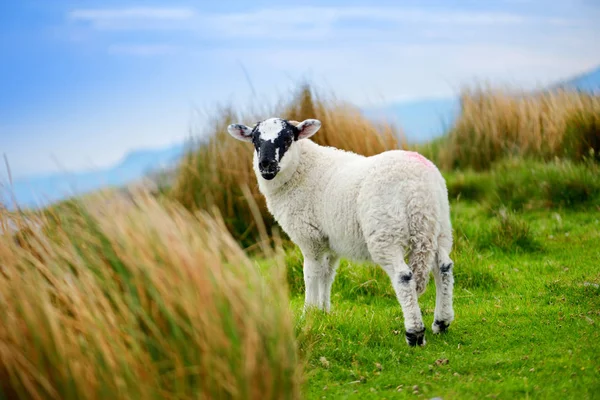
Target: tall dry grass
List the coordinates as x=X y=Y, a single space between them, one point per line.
x=132 y=299
x=219 y=174
x=496 y=123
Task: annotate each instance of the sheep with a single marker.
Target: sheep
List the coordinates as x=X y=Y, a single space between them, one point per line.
x=334 y=203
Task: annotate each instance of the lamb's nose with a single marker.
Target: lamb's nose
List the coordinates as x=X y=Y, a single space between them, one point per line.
x=266 y=164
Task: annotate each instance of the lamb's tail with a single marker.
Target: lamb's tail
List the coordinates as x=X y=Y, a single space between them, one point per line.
x=424 y=229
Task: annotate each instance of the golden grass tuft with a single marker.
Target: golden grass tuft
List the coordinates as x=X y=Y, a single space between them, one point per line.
x=132 y=299
x=496 y=123
x=220 y=172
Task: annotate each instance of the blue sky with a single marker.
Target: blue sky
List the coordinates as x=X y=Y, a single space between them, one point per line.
x=83 y=82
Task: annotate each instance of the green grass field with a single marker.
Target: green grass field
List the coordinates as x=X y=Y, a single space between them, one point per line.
x=527 y=318
x=186 y=294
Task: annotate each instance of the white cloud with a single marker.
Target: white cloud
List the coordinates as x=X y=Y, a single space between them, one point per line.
x=291 y=21
x=367 y=72
x=316 y=23
x=126 y=13
x=142 y=49
x=319 y=15
x=132 y=18
x=425 y=49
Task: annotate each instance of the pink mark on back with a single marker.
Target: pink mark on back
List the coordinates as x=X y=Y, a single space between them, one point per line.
x=416 y=156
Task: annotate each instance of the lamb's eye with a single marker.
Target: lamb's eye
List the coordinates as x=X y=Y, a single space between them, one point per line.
x=288 y=141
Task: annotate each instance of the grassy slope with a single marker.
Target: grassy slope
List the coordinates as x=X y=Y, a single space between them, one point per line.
x=526 y=318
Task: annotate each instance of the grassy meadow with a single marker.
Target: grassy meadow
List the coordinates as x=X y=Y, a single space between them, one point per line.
x=527 y=308
x=195 y=293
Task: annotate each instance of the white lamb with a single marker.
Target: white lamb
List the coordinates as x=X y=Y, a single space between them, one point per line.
x=333 y=203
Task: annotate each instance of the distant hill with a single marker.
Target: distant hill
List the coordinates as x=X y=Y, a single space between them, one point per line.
x=37 y=191
x=587 y=82
x=424 y=120
x=420 y=120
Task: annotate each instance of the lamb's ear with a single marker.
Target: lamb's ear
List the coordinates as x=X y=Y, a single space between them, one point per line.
x=240 y=132
x=308 y=127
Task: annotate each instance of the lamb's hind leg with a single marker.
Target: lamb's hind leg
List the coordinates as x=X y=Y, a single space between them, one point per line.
x=444 y=285
x=406 y=292
x=386 y=241
x=443 y=271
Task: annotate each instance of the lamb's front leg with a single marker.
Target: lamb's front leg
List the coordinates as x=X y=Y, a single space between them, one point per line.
x=312 y=282
x=329 y=264
x=319 y=274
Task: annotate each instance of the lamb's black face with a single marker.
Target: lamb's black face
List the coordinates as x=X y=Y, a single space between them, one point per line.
x=272 y=138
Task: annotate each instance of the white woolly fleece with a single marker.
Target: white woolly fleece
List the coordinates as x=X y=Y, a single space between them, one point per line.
x=333 y=203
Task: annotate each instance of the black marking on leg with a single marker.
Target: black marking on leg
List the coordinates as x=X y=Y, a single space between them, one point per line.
x=442 y=325
x=445 y=268
x=406 y=278
x=414 y=338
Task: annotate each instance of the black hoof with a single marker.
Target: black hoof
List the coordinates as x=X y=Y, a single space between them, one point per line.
x=416 y=338
x=440 y=326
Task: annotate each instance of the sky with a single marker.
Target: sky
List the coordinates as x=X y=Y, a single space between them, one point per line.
x=84 y=82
